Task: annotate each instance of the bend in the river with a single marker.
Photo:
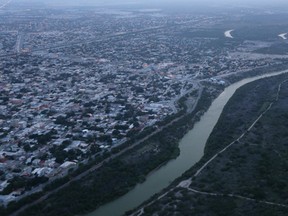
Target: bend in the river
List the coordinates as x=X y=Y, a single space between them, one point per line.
x=191 y=151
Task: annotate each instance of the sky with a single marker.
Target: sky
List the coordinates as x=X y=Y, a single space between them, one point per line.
x=152 y=3
x=227 y=2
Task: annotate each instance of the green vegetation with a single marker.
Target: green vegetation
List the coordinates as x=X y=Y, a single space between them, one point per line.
x=184 y=203
x=254 y=168
x=240 y=112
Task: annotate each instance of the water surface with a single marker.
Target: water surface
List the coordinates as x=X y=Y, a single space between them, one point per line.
x=191 y=151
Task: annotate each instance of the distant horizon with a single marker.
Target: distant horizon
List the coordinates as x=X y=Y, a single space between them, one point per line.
x=242 y=3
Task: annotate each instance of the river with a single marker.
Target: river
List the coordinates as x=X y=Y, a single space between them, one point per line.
x=191 y=151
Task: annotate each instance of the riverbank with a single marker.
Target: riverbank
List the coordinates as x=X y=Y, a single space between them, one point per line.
x=146 y=189
x=166 y=174
x=153 y=205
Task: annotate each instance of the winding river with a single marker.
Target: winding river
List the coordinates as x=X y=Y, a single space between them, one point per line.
x=191 y=150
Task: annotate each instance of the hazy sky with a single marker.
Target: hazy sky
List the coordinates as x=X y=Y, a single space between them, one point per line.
x=257 y=3
x=229 y=2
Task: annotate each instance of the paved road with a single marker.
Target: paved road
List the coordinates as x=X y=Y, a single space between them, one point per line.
x=5 y=4
x=19 y=42
x=236 y=196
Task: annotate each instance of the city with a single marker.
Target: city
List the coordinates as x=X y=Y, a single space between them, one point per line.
x=77 y=83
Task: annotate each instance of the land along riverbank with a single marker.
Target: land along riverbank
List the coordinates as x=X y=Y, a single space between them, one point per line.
x=157 y=151
x=248 y=175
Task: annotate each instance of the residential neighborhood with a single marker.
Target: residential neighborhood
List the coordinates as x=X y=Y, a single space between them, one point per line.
x=76 y=83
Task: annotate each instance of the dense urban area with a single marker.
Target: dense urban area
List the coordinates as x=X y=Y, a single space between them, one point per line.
x=76 y=83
